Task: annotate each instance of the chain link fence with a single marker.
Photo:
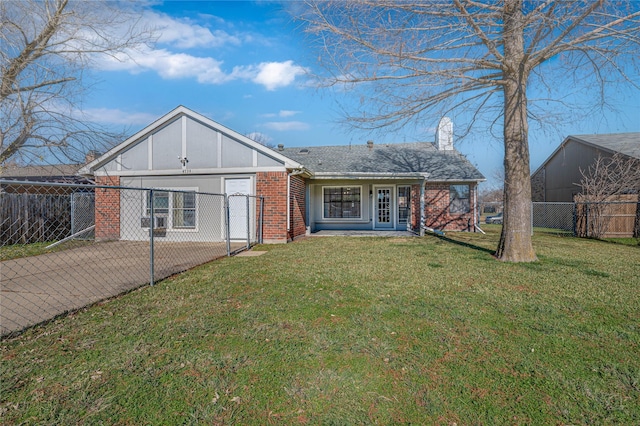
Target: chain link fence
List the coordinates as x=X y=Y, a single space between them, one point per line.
x=612 y=219
x=558 y=216
x=63 y=247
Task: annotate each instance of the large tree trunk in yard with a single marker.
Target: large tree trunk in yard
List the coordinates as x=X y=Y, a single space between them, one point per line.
x=515 y=241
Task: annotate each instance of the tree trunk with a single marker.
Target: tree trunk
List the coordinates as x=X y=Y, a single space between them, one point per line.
x=515 y=241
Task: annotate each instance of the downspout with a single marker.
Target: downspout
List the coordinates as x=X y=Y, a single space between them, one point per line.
x=288 y=206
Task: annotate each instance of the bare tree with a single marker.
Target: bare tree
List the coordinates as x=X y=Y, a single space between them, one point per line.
x=608 y=179
x=261 y=138
x=46 y=48
x=412 y=61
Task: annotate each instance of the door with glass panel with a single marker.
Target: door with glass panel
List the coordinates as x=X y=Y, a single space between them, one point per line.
x=383 y=209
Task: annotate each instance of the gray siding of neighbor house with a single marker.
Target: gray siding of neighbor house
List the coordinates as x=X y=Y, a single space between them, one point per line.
x=204 y=147
x=562 y=172
x=366 y=222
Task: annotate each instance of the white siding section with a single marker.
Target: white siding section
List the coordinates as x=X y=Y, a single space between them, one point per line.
x=210 y=218
x=235 y=154
x=167 y=147
x=202 y=146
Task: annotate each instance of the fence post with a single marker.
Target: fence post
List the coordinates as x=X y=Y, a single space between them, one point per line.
x=531 y=219
x=248 y=225
x=151 y=248
x=227 y=223
x=262 y=212
x=586 y=221
x=575 y=219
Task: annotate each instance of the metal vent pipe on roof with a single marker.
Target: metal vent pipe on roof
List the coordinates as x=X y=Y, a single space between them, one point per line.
x=370 y=145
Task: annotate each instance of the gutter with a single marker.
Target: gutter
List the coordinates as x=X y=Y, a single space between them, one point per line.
x=370 y=175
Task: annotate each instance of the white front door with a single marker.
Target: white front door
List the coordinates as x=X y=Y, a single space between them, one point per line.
x=238 y=212
x=383 y=209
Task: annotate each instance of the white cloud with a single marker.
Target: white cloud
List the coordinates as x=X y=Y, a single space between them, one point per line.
x=183 y=33
x=116 y=116
x=170 y=60
x=282 y=126
x=168 y=65
x=282 y=113
x=273 y=75
x=286 y=113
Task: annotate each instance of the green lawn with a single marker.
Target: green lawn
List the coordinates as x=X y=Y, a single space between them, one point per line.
x=350 y=331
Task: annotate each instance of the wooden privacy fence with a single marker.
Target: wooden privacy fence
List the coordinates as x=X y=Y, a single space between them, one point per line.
x=619 y=218
x=30 y=218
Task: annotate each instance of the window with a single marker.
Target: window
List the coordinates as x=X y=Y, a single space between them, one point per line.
x=179 y=206
x=160 y=203
x=342 y=202
x=459 y=199
x=184 y=210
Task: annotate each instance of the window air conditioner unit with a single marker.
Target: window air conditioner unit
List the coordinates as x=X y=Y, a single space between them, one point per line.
x=158 y=222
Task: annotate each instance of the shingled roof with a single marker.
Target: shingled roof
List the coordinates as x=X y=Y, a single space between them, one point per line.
x=624 y=143
x=61 y=173
x=420 y=158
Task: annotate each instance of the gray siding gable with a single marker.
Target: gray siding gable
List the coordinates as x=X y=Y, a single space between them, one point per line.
x=184 y=141
x=624 y=143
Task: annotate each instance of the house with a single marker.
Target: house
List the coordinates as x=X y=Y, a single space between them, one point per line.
x=557 y=179
x=358 y=187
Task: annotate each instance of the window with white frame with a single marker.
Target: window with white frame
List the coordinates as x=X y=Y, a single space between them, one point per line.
x=184 y=210
x=342 y=202
x=459 y=199
x=180 y=207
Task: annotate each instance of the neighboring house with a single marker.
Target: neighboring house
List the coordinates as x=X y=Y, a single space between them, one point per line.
x=57 y=173
x=36 y=212
x=396 y=186
x=558 y=178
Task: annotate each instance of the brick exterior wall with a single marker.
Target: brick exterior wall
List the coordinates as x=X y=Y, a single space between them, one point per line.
x=437 y=214
x=297 y=193
x=273 y=187
x=107 y=210
x=537 y=186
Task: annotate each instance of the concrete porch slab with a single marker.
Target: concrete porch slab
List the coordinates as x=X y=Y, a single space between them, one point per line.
x=326 y=233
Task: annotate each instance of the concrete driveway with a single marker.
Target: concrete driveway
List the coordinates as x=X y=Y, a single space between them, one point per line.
x=37 y=288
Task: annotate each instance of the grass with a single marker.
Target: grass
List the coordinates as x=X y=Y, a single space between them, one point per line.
x=350 y=331
x=635 y=242
x=16 y=251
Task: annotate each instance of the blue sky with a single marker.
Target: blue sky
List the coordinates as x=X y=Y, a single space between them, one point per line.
x=244 y=65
